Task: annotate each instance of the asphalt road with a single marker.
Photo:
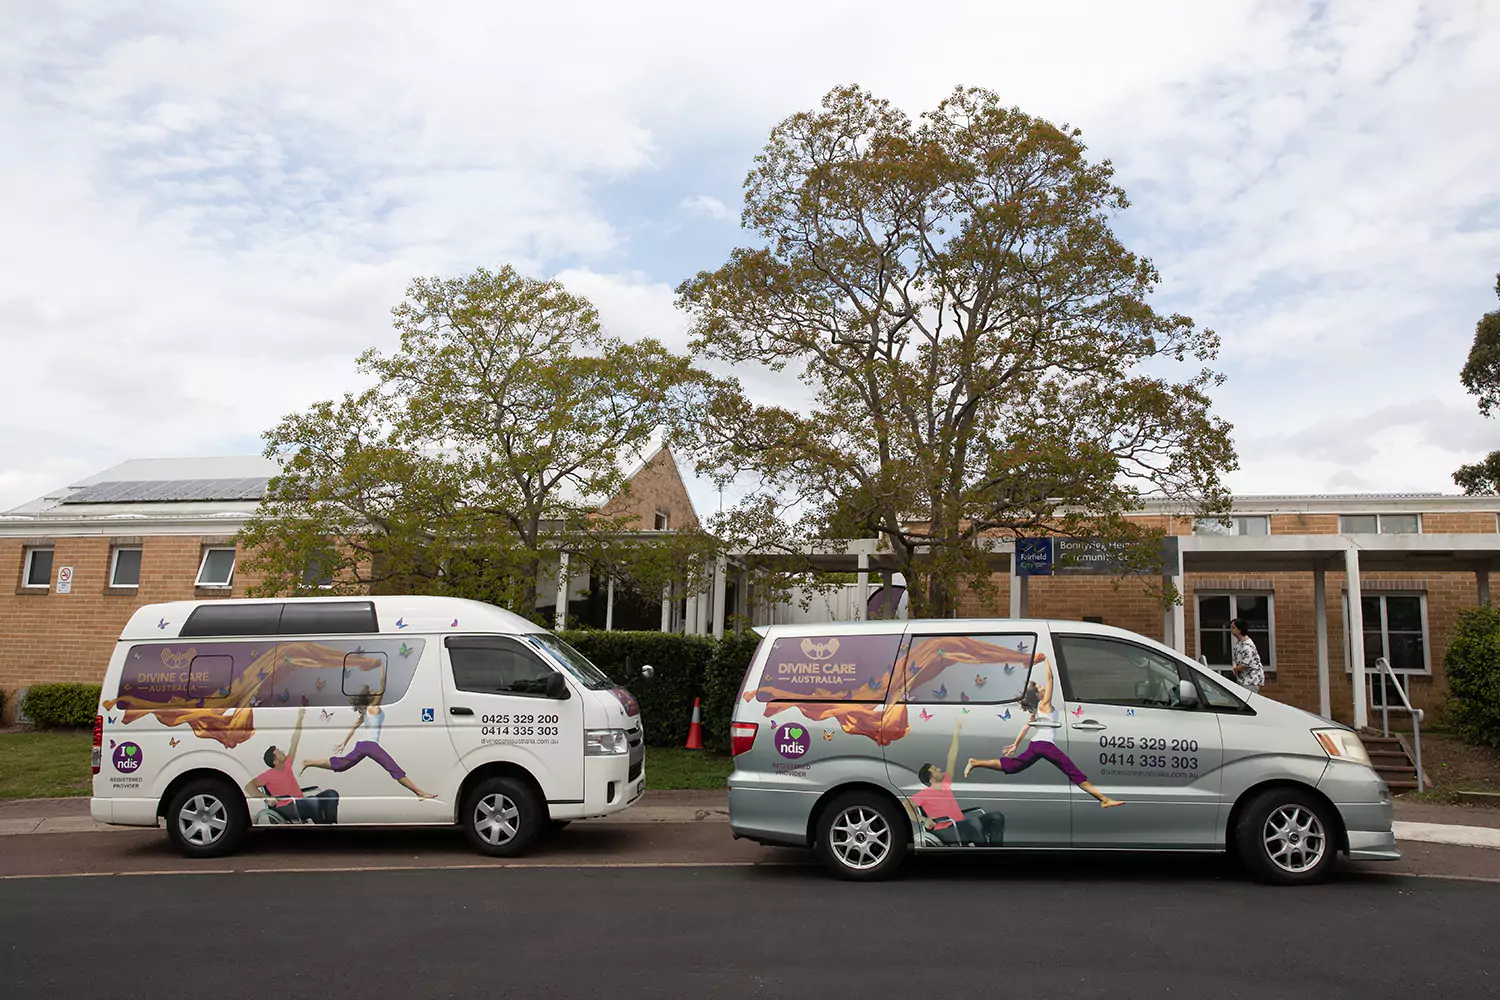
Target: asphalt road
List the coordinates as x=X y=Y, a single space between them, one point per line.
x=1012 y=927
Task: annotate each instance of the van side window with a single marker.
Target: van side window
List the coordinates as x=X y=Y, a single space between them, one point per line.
x=829 y=668
x=364 y=673
x=496 y=665
x=1218 y=697
x=210 y=677
x=1109 y=671
x=982 y=669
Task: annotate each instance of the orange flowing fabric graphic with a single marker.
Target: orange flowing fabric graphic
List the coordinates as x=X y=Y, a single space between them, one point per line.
x=885 y=722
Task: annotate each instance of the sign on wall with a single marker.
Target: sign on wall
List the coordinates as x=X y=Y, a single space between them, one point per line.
x=1087 y=556
x=65 y=579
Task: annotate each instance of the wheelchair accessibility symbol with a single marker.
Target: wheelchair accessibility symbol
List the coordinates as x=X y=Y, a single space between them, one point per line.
x=427 y=715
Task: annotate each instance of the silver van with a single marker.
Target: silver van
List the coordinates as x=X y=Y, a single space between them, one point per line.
x=868 y=740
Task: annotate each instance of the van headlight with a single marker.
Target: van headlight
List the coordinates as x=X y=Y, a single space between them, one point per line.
x=604 y=742
x=1341 y=744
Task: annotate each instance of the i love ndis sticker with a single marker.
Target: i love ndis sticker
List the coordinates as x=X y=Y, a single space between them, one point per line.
x=793 y=740
x=127 y=758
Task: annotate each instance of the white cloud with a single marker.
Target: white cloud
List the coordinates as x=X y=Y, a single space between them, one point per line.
x=210 y=209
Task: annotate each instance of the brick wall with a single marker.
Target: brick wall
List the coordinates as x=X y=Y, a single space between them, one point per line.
x=47 y=636
x=657 y=487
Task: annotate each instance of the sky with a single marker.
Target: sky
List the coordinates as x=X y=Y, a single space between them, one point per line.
x=208 y=210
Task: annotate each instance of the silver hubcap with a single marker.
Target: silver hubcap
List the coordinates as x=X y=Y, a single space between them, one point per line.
x=203 y=820
x=496 y=819
x=1294 y=837
x=860 y=837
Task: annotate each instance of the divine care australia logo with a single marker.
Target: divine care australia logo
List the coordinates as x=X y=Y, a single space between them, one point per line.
x=127 y=758
x=793 y=741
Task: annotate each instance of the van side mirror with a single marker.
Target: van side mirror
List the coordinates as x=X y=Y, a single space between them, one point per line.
x=1187 y=694
x=647 y=672
x=557 y=687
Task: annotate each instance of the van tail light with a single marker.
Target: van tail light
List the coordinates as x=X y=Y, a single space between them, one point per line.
x=742 y=737
x=96 y=757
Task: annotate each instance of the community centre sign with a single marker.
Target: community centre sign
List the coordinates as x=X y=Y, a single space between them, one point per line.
x=1087 y=556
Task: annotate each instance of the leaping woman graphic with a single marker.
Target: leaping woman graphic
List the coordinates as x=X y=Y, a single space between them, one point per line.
x=371 y=717
x=1044 y=719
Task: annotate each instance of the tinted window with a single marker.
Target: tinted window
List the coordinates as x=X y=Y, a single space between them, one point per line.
x=329 y=618
x=829 y=668
x=127 y=571
x=210 y=676
x=1359 y=524
x=233 y=619
x=364 y=673
x=1218 y=697
x=334 y=672
x=1109 y=671
x=984 y=669
x=39 y=569
x=497 y=666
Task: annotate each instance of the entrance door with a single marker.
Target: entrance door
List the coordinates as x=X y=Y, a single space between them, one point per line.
x=962 y=693
x=1135 y=740
x=494 y=694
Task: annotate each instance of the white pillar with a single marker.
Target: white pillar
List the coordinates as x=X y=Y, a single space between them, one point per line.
x=560 y=614
x=1015 y=586
x=1320 y=633
x=1167 y=631
x=666 y=608
x=1482 y=576
x=693 y=608
x=1179 y=610
x=718 y=598
x=862 y=592
x=1356 y=637
x=609 y=607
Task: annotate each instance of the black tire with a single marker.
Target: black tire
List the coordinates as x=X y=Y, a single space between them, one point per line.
x=1286 y=836
x=503 y=817
x=863 y=837
x=207 y=818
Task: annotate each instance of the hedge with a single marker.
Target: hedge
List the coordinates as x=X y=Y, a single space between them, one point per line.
x=1473 y=668
x=726 y=674
x=62 y=706
x=681 y=663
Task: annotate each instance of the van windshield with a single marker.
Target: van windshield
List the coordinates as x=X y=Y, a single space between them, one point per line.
x=583 y=671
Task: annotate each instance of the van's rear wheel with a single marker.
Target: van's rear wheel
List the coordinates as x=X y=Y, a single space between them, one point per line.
x=862 y=837
x=207 y=819
x=1286 y=837
x=503 y=817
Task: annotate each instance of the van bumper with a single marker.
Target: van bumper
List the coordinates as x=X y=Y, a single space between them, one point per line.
x=608 y=787
x=124 y=812
x=1364 y=805
x=771 y=815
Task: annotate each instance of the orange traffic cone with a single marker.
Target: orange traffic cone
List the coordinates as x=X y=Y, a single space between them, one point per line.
x=695 y=729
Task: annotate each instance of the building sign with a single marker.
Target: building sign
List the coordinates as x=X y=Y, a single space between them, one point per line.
x=65 y=579
x=1086 y=557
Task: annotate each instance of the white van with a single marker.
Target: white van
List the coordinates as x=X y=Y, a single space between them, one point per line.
x=221 y=715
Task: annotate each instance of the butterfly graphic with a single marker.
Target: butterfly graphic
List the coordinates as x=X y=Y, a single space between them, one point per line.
x=941 y=692
x=325 y=715
x=319 y=683
x=305 y=702
x=137 y=655
x=979 y=680
x=1077 y=712
x=223 y=692
x=173 y=741
x=284 y=696
x=1010 y=668
x=926 y=715
x=1130 y=711
x=257 y=701
x=963 y=696
x=163 y=623
x=1021 y=647
x=876 y=681
x=405 y=649
x=1005 y=715
x=401 y=623
x=455 y=623
x=111 y=719
x=112 y=744
x=828 y=734
x=965 y=711
x=262 y=674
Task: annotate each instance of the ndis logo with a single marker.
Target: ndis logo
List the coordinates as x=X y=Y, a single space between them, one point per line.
x=793 y=740
x=127 y=758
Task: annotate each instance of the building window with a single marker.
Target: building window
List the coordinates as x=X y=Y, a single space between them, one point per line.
x=125 y=568
x=217 y=568
x=319 y=572
x=1240 y=524
x=1216 y=611
x=661 y=520
x=38 y=568
x=1382 y=524
x=1395 y=628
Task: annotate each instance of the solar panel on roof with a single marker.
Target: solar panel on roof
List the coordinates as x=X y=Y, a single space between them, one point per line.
x=172 y=491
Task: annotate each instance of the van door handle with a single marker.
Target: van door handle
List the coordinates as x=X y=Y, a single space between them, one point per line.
x=458 y=710
x=1089 y=726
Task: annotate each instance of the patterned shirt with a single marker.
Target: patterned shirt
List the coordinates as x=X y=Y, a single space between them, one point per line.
x=1247 y=667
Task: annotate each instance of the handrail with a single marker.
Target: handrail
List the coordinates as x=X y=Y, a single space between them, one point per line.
x=1383 y=666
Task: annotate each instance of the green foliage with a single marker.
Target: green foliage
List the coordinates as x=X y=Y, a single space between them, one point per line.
x=721 y=688
x=979 y=351
x=1481 y=377
x=666 y=701
x=1473 y=668
x=62 y=706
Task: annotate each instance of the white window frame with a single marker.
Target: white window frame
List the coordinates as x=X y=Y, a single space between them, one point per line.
x=203 y=564
x=1380 y=522
x=1209 y=526
x=1385 y=632
x=1234 y=605
x=114 y=565
x=665 y=518
x=26 y=568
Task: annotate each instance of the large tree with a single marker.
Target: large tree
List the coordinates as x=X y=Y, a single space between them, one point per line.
x=978 y=351
x=1481 y=376
x=491 y=438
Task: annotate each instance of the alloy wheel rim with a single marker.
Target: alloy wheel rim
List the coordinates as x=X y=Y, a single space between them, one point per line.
x=202 y=820
x=497 y=820
x=1294 y=838
x=860 y=837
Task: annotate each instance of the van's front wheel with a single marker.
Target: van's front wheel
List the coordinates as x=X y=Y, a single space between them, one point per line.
x=861 y=837
x=1285 y=837
x=206 y=819
x=503 y=817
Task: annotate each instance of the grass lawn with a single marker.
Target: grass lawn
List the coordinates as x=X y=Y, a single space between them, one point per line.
x=44 y=765
x=675 y=768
